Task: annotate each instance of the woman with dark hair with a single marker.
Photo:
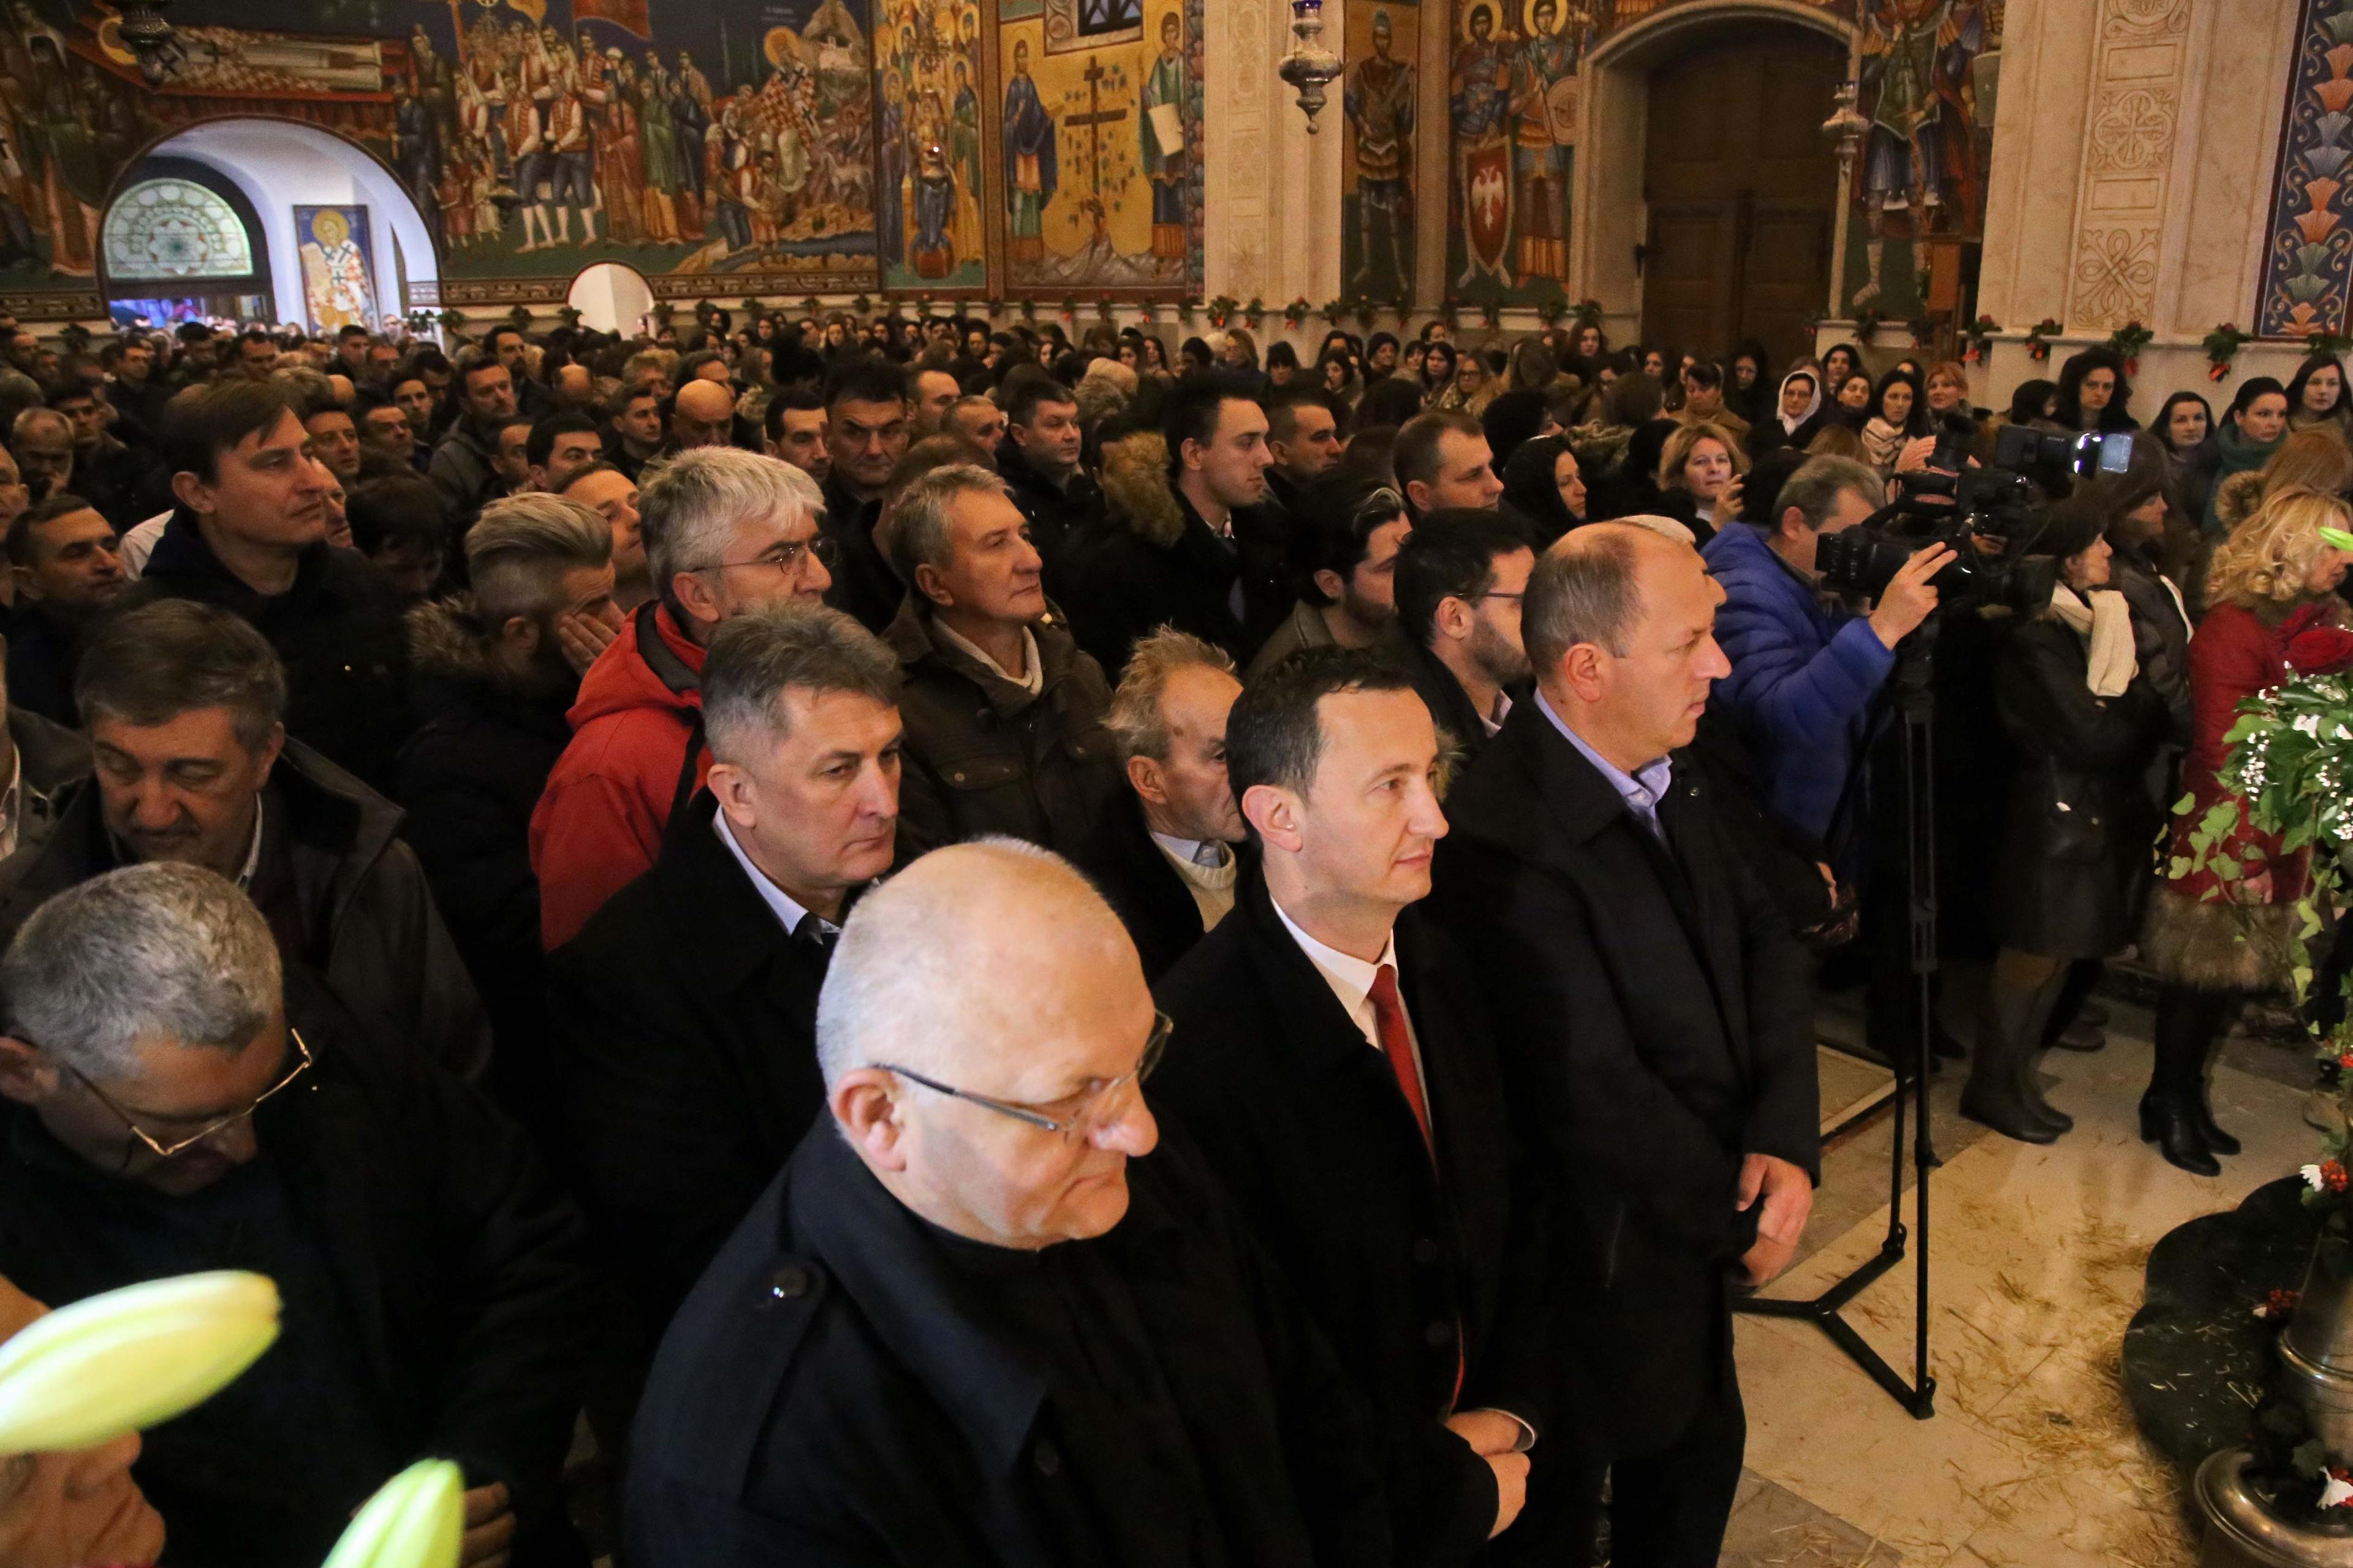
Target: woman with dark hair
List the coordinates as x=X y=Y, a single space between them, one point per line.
x=2315 y=395
x=1155 y=356
x=1380 y=355
x=1282 y=364
x=1340 y=343
x=1544 y=488
x=1436 y=371
x=1195 y=352
x=2184 y=421
x=2244 y=440
x=1852 y=403
x=1529 y=367
x=1592 y=343
x=1838 y=362
x=1337 y=374
x=2085 y=720
x=2093 y=393
x=1746 y=391
x=1898 y=414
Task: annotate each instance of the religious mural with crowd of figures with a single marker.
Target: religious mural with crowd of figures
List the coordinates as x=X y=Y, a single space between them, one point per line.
x=1037 y=148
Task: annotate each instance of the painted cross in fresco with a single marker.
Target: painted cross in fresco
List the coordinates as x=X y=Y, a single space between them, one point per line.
x=1094 y=119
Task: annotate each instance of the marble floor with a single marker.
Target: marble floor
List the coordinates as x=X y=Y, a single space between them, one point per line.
x=2031 y=1460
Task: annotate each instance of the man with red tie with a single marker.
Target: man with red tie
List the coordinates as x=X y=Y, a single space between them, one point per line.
x=1333 y=1061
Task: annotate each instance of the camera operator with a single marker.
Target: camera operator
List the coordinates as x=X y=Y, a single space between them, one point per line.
x=2086 y=722
x=2272 y=613
x=1805 y=669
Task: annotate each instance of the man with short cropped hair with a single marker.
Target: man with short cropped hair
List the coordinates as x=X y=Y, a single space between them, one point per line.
x=796 y=431
x=43 y=441
x=613 y=495
x=502 y=662
x=179 y=1101
x=1340 y=1074
x=978 y=420
x=1200 y=555
x=930 y=393
x=1461 y=577
x=1303 y=436
x=250 y=535
x=334 y=440
x=511 y=349
x=562 y=447
x=67 y=567
x=183 y=704
x=1005 y=730
x=688 y=1005
x=1662 y=1062
x=119 y=482
x=384 y=427
x=725 y=532
x=865 y=435
x=465 y=467
x=639 y=437
x=1443 y=459
x=1039 y=461
x=970 y=1322
x=256 y=355
x=1164 y=856
x=1346 y=533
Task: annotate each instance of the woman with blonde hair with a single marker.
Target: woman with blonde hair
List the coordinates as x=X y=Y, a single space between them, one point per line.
x=2272 y=613
x=1698 y=474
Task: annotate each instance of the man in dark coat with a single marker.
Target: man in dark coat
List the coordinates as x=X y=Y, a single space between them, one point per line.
x=1333 y=1061
x=1167 y=855
x=183 y=704
x=1004 y=715
x=1213 y=563
x=866 y=434
x=432 y=1277
x=1460 y=578
x=978 y=1320
x=686 y=1010
x=1040 y=460
x=498 y=666
x=251 y=536
x=1655 y=1020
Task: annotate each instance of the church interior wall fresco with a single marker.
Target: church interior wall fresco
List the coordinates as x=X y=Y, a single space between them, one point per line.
x=777 y=147
x=2309 y=251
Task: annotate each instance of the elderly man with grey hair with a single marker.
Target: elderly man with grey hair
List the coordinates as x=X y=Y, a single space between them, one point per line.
x=1005 y=714
x=725 y=531
x=159 y=1116
x=183 y=703
x=687 y=1007
x=1166 y=856
x=984 y=1315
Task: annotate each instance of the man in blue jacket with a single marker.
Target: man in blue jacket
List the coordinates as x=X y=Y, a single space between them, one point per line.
x=1805 y=669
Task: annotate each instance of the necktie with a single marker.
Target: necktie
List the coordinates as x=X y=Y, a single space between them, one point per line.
x=817 y=937
x=1388 y=1019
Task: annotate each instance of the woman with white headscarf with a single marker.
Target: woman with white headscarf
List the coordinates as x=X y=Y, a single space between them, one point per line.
x=1795 y=416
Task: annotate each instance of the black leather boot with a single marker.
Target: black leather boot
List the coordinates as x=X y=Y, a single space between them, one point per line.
x=1992 y=1095
x=2009 y=1031
x=2219 y=1142
x=2170 y=1120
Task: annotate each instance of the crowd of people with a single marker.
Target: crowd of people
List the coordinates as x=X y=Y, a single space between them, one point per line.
x=966 y=947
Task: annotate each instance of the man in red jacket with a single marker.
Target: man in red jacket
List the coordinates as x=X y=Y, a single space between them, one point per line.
x=725 y=531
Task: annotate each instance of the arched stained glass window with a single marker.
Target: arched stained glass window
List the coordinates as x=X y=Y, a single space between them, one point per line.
x=175 y=228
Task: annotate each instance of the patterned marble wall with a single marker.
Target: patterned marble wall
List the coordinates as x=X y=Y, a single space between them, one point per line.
x=2308 y=252
x=2138 y=70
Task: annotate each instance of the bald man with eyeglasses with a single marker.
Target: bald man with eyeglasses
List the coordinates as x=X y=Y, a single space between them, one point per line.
x=985 y=1315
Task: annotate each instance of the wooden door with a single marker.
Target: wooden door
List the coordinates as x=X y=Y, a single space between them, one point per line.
x=1740 y=185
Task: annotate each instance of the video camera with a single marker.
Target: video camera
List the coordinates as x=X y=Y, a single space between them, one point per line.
x=1986 y=516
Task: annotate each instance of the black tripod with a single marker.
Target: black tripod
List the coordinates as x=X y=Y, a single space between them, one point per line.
x=1915 y=706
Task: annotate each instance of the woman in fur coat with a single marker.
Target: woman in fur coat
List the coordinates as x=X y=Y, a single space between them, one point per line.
x=2272 y=614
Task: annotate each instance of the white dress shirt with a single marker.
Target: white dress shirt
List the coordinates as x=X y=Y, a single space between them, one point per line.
x=786 y=909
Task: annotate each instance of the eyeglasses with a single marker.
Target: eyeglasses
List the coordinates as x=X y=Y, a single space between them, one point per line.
x=163 y=1150
x=1096 y=1105
x=784 y=557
